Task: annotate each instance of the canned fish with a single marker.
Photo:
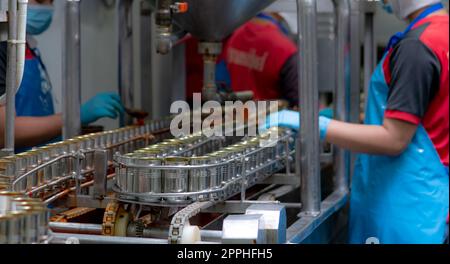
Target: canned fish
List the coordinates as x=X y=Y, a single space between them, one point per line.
x=148 y=153
x=227 y=170
x=7 y=171
x=149 y=180
x=45 y=153
x=57 y=167
x=4 y=226
x=176 y=180
x=16 y=232
x=32 y=163
x=215 y=173
x=21 y=169
x=200 y=179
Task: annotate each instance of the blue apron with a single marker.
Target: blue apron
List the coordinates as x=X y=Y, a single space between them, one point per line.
x=403 y=199
x=34 y=97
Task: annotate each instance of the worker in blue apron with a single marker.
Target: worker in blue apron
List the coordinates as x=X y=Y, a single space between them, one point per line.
x=400 y=188
x=34 y=100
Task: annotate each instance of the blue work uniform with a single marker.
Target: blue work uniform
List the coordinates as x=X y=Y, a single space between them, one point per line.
x=405 y=199
x=34 y=97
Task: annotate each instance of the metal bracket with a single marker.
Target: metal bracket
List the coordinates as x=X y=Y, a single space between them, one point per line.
x=100 y=174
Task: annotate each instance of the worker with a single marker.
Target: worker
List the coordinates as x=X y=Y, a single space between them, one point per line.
x=259 y=57
x=36 y=121
x=400 y=187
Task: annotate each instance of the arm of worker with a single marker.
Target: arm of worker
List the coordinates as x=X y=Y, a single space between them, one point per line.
x=391 y=138
x=289 y=80
x=415 y=81
x=415 y=72
x=32 y=131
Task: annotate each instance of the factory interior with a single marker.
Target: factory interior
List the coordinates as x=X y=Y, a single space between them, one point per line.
x=112 y=115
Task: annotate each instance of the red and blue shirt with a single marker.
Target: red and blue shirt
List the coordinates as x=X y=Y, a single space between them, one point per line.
x=417 y=72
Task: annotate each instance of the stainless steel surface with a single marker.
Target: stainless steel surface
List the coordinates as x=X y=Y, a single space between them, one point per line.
x=342 y=88
x=215 y=20
x=326 y=39
x=308 y=154
x=369 y=50
x=87 y=201
x=71 y=92
x=274 y=221
x=244 y=229
x=34 y=170
x=11 y=79
x=126 y=55
x=61 y=238
x=355 y=83
x=86 y=229
x=176 y=181
x=100 y=173
x=282 y=179
x=305 y=226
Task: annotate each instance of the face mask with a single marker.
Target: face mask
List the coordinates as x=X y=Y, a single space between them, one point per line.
x=39 y=18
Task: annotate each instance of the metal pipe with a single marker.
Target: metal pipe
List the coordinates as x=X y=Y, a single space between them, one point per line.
x=21 y=38
x=342 y=41
x=126 y=61
x=308 y=143
x=11 y=79
x=62 y=238
x=355 y=83
x=71 y=94
x=369 y=51
x=86 y=229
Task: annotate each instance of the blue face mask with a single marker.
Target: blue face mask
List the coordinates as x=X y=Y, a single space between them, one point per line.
x=388 y=8
x=39 y=18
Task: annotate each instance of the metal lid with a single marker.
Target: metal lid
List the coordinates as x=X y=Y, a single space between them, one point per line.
x=200 y=158
x=176 y=159
x=11 y=194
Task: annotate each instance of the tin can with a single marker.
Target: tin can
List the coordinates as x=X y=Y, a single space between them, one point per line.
x=176 y=180
x=22 y=166
x=225 y=171
x=7 y=171
x=33 y=162
x=57 y=167
x=235 y=167
x=125 y=175
x=6 y=200
x=216 y=177
x=149 y=180
x=16 y=228
x=148 y=153
x=45 y=154
x=200 y=179
x=4 y=225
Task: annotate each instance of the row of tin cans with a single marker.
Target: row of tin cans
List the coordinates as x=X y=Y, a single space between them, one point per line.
x=231 y=162
x=123 y=140
x=22 y=220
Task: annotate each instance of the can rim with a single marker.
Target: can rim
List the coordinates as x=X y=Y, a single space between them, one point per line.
x=175 y=159
x=9 y=194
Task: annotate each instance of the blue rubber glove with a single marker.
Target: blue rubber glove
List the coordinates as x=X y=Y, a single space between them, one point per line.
x=100 y=106
x=291 y=119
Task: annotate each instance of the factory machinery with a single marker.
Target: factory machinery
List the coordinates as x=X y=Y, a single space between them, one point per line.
x=141 y=185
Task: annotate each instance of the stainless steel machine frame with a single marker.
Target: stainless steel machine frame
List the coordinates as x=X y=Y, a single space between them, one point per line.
x=314 y=209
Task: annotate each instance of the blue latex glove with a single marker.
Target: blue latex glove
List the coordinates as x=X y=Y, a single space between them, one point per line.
x=291 y=119
x=100 y=106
